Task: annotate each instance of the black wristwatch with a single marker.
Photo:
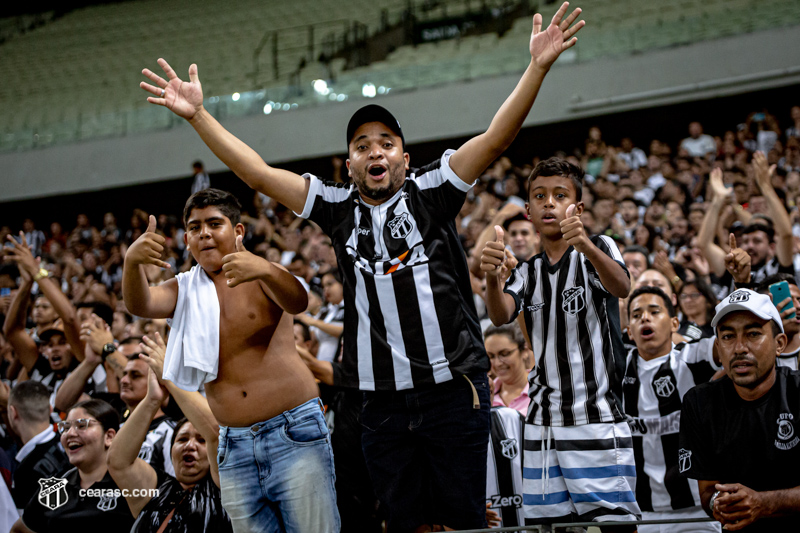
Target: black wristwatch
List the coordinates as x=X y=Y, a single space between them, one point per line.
x=108 y=349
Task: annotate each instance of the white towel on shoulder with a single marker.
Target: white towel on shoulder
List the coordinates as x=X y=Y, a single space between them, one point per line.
x=192 y=356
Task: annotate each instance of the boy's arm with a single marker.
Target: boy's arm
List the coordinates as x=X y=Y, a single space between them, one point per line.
x=193 y=404
x=611 y=274
x=279 y=285
x=784 y=239
x=495 y=263
x=705 y=237
x=545 y=46
x=14 y=327
x=141 y=299
x=75 y=383
x=185 y=99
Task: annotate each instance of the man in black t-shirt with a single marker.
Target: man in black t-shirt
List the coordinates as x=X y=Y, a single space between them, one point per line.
x=738 y=436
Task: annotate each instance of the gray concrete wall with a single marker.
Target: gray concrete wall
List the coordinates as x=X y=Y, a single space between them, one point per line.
x=715 y=68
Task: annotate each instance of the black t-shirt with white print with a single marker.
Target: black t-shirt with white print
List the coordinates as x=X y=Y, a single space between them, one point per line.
x=754 y=443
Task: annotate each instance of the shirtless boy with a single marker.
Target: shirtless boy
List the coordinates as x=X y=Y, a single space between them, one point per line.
x=275 y=460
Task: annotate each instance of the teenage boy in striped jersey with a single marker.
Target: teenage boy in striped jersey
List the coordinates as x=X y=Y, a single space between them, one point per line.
x=658 y=374
x=569 y=295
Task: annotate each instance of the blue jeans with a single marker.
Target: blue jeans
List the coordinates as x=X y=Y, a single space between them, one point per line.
x=426 y=453
x=278 y=475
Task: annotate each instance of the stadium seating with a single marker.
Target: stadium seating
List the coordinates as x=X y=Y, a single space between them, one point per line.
x=77 y=77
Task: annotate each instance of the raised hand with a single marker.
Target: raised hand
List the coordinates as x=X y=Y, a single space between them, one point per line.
x=737 y=262
x=181 y=97
x=153 y=351
x=242 y=266
x=573 y=231
x=720 y=190
x=146 y=250
x=155 y=390
x=763 y=171
x=22 y=255
x=547 y=45
x=494 y=256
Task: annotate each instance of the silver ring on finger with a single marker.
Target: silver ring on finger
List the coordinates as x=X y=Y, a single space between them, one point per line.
x=163 y=92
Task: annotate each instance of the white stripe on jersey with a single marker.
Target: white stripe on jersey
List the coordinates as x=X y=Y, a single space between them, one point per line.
x=430 y=327
x=384 y=288
x=365 y=376
x=789 y=360
x=504 y=470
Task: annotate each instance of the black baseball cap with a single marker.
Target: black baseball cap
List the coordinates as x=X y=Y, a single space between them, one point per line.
x=373 y=113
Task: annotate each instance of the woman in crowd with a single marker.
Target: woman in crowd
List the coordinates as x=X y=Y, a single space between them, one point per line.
x=191 y=500
x=697 y=302
x=505 y=346
x=65 y=505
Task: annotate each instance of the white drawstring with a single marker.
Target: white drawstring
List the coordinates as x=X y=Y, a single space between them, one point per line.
x=546 y=470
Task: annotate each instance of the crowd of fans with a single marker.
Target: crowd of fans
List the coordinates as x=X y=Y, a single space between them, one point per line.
x=70 y=348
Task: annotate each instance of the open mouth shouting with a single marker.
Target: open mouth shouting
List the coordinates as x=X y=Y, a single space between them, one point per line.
x=647 y=333
x=377 y=171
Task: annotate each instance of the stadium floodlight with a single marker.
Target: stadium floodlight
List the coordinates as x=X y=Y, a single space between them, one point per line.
x=267 y=108
x=381 y=89
x=321 y=87
x=285 y=107
x=342 y=97
x=368 y=90
x=235 y=97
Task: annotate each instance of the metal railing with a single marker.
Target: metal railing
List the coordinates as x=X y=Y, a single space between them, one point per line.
x=563 y=527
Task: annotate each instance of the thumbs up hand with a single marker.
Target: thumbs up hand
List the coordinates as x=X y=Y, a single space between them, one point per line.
x=242 y=266
x=493 y=257
x=146 y=250
x=573 y=231
x=737 y=262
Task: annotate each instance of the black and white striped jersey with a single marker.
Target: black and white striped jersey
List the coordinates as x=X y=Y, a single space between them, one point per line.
x=504 y=466
x=652 y=395
x=410 y=319
x=574 y=327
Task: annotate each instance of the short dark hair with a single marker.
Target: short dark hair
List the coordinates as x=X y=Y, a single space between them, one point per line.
x=752 y=228
x=647 y=289
x=516 y=218
x=32 y=400
x=763 y=287
x=102 y=310
x=305 y=328
x=227 y=203
x=636 y=249
x=102 y=411
x=555 y=166
x=511 y=331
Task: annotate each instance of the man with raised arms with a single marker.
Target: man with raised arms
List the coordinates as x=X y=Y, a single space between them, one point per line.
x=275 y=461
x=412 y=339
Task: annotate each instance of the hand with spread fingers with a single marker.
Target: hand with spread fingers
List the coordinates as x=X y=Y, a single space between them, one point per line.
x=763 y=171
x=183 y=98
x=242 y=266
x=96 y=334
x=574 y=232
x=146 y=250
x=21 y=254
x=721 y=192
x=737 y=262
x=547 y=45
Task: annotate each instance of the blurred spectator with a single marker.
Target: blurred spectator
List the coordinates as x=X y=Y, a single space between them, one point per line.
x=698 y=144
x=505 y=346
x=200 y=178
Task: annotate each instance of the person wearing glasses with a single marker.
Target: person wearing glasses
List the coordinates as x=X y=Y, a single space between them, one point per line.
x=696 y=301
x=85 y=498
x=505 y=346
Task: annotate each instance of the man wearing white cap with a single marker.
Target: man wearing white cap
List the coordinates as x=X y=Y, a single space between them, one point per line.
x=738 y=436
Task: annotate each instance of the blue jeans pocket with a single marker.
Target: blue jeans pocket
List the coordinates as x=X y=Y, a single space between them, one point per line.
x=222 y=451
x=306 y=432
